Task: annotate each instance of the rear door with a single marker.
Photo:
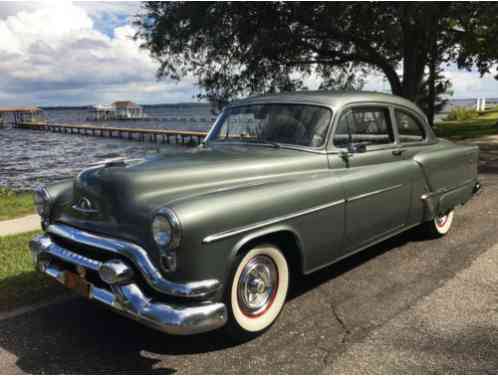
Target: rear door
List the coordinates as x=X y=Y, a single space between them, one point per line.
x=377 y=185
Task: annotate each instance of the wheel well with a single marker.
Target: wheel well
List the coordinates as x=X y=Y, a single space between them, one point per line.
x=287 y=242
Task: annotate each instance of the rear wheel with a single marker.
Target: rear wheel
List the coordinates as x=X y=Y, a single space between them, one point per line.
x=257 y=292
x=440 y=225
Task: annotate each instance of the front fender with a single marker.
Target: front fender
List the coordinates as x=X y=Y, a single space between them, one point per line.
x=217 y=225
x=265 y=232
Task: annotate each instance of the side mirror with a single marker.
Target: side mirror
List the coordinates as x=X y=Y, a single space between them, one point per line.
x=357 y=148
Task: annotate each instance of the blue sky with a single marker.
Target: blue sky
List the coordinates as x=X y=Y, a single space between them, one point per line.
x=77 y=53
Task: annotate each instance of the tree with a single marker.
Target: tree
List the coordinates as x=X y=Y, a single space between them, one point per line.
x=236 y=49
x=433 y=93
x=346 y=78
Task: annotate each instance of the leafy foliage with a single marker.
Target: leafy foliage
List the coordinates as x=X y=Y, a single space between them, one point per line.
x=237 y=49
x=461 y=114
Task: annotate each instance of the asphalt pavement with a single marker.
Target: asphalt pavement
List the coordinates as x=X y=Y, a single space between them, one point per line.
x=407 y=305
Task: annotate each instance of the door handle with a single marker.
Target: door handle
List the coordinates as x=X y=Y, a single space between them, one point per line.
x=398 y=152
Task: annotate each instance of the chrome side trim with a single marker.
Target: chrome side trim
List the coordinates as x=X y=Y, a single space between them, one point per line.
x=257 y=225
x=138 y=256
x=129 y=300
x=379 y=191
x=440 y=191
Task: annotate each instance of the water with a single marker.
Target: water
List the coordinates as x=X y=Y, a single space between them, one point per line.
x=29 y=158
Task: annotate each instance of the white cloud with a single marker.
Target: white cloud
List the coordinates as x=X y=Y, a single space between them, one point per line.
x=63 y=53
x=55 y=54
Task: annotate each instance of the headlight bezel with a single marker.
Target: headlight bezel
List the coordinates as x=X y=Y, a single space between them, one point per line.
x=42 y=207
x=168 y=251
x=175 y=226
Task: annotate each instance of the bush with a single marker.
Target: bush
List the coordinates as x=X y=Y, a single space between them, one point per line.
x=462 y=113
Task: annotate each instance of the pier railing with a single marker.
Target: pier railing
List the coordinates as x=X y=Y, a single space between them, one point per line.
x=154 y=135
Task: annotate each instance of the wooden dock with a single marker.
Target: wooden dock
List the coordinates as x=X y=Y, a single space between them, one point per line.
x=141 y=134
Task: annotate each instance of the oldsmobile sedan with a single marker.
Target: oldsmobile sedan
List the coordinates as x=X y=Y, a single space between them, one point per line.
x=282 y=185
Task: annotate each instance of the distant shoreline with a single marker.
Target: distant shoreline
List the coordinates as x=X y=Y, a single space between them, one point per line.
x=451 y=103
x=171 y=105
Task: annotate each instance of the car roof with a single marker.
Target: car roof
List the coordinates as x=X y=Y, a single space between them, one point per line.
x=332 y=99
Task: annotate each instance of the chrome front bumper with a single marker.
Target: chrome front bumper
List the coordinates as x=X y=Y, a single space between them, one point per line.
x=124 y=295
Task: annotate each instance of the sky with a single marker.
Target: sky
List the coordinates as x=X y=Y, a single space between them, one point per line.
x=61 y=53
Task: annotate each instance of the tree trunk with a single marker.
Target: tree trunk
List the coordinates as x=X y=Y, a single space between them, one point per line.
x=414 y=51
x=393 y=78
x=431 y=100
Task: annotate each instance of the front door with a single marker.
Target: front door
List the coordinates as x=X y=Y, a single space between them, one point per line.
x=376 y=180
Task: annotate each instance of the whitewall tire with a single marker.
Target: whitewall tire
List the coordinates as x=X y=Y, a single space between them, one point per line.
x=443 y=223
x=258 y=290
x=440 y=225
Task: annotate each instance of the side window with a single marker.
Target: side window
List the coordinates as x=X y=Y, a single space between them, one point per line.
x=342 y=134
x=368 y=126
x=409 y=128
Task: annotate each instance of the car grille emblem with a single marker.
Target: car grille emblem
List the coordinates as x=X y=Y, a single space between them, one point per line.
x=84 y=205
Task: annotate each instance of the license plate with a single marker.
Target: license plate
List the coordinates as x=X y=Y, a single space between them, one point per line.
x=76 y=283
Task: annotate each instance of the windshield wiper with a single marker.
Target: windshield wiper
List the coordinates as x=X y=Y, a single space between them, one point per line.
x=276 y=145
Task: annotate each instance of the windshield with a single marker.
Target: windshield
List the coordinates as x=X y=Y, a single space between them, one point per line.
x=294 y=124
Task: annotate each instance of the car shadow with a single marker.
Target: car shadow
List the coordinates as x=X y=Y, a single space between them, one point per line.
x=79 y=337
x=306 y=283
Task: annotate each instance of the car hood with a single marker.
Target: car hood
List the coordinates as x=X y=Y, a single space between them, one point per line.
x=122 y=198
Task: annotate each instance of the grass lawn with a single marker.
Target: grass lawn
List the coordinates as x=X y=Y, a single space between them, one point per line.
x=484 y=125
x=19 y=283
x=14 y=205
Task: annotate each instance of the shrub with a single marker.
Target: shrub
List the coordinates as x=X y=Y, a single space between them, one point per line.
x=462 y=113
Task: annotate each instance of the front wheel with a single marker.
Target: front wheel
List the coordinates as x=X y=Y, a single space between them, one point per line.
x=257 y=292
x=440 y=225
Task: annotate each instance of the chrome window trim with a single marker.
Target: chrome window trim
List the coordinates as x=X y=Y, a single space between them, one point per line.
x=139 y=257
x=257 y=225
x=322 y=149
x=420 y=124
x=331 y=147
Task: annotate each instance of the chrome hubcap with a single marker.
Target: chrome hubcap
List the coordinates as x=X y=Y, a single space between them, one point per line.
x=257 y=285
x=441 y=221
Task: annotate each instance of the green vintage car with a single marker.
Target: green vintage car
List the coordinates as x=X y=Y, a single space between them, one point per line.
x=283 y=184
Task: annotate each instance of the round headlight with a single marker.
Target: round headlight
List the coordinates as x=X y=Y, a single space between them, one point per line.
x=161 y=230
x=42 y=201
x=166 y=229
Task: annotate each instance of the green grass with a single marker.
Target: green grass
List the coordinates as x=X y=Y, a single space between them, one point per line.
x=20 y=284
x=14 y=204
x=484 y=125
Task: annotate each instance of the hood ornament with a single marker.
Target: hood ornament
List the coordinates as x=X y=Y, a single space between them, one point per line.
x=85 y=206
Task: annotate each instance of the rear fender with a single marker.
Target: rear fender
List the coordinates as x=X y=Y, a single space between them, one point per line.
x=451 y=175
